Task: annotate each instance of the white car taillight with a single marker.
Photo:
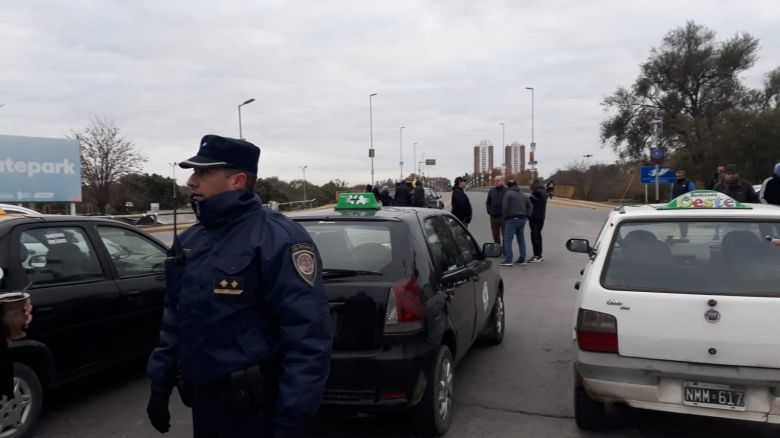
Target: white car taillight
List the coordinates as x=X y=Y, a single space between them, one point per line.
x=597 y=331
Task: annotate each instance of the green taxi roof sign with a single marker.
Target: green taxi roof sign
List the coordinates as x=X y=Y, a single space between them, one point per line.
x=704 y=199
x=357 y=201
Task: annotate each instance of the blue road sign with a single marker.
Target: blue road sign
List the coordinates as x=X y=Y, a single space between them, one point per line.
x=39 y=169
x=657 y=155
x=665 y=175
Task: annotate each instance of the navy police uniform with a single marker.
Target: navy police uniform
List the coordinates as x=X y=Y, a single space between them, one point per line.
x=246 y=326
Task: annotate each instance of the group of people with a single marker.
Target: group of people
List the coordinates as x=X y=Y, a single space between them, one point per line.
x=407 y=194
x=509 y=210
x=728 y=180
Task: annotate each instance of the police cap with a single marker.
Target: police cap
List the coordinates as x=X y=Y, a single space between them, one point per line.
x=216 y=151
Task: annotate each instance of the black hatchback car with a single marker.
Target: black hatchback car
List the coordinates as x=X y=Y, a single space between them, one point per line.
x=97 y=288
x=410 y=291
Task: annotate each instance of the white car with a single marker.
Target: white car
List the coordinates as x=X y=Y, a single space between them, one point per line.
x=678 y=311
x=15 y=209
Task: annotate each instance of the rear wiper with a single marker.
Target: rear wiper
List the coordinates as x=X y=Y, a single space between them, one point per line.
x=340 y=273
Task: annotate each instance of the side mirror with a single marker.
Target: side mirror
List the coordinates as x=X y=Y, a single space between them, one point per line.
x=580 y=245
x=438 y=196
x=39 y=261
x=492 y=249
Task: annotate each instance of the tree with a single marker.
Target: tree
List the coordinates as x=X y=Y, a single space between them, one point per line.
x=105 y=158
x=692 y=83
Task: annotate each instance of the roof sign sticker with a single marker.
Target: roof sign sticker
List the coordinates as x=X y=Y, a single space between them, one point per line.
x=355 y=201
x=704 y=199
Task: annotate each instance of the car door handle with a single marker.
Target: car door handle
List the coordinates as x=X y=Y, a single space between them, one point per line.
x=134 y=294
x=577 y=285
x=43 y=312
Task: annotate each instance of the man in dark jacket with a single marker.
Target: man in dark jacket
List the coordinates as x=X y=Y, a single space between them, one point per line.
x=681 y=185
x=739 y=189
x=770 y=189
x=403 y=195
x=461 y=206
x=419 y=194
x=246 y=320
x=516 y=208
x=719 y=171
x=493 y=205
x=384 y=195
x=536 y=221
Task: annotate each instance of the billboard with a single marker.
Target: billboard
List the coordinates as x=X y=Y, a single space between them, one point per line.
x=35 y=169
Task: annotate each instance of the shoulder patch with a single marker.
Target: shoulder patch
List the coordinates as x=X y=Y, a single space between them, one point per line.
x=304 y=258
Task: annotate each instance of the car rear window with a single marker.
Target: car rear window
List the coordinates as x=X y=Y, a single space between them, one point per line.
x=377 y=248
x=726 y=258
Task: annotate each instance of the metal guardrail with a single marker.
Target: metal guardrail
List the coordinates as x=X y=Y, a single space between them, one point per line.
x=188 y=217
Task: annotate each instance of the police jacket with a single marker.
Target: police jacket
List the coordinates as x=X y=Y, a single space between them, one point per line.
x=461 y=206
x=741 y=190
x=249 y=291
x=493 y=202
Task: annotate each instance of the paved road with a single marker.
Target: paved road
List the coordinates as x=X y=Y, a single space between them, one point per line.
x=522 y=388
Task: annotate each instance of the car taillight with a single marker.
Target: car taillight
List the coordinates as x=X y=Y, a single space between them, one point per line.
x=404 y=307
x=597 y=331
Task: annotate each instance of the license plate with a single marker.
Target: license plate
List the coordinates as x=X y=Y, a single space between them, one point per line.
x=711 y=395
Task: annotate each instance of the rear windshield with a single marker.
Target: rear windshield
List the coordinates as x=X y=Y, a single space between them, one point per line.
x=360 y=249
x=726 y=258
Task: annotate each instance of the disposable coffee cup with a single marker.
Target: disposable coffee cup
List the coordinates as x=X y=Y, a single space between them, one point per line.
x=13 y=313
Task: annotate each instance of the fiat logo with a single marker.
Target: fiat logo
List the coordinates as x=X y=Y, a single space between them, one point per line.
x=712 y=315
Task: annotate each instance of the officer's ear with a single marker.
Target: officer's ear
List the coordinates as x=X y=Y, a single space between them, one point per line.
x=236 y=178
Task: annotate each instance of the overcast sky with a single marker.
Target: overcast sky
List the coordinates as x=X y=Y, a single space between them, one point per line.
x=168 y=72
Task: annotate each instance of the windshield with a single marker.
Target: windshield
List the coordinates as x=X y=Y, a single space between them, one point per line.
x=355 y=249
x=728 y=258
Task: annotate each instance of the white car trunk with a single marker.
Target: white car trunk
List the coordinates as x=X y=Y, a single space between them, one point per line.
x=673 y=326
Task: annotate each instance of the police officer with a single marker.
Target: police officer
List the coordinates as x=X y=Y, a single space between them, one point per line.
x=246 y=326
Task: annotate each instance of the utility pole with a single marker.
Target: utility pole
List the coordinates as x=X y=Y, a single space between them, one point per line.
x=401 y=144
x=371 y=152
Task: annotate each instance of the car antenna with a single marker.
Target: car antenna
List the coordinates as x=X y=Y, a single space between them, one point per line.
x=178 y=251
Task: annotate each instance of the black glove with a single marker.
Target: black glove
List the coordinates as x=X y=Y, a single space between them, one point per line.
x=157 y=410
x=287 y=432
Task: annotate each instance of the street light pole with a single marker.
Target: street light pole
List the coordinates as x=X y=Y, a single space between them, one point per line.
x=240 y=130
x=533 y=142
x=371 y=128
x=414 y=157
x=303 y=168
x=401 y=144
x=503 y=146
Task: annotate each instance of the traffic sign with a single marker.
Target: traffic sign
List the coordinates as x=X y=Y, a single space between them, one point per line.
x=430 y=162
x=657 y=155
x=665 y=174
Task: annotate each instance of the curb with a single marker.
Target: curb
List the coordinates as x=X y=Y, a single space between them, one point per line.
x=580 y=204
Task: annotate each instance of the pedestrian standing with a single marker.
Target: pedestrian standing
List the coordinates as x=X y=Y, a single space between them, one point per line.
x=770 y=189
x=11 y=324
x=419 y=194
x=403 y=195
x=737 y=188
x=681 y=186
x=493 y=205
x=516 y=208
x=719 y=171
x=461 y=206
x=375 y=191
x=387 y=200
x=536 y=219
x=246 y=321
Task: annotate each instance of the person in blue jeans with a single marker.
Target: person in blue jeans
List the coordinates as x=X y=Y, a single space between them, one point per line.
x=516 y=209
